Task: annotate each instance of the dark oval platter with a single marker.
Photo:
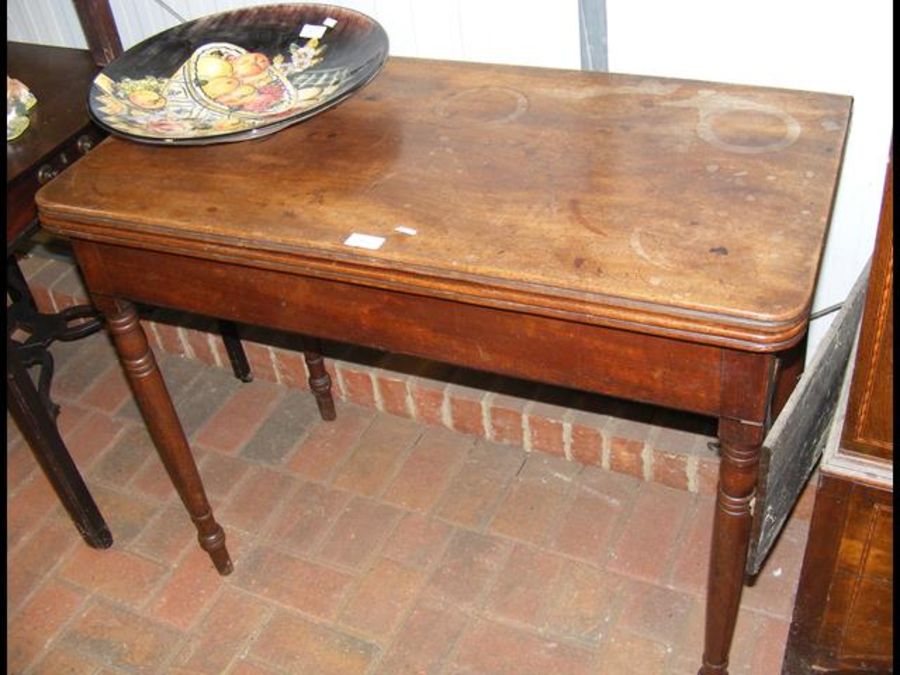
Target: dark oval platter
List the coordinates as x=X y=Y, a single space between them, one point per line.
x=238 y=75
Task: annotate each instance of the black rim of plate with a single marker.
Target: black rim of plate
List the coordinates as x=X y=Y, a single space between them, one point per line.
x=189 y=36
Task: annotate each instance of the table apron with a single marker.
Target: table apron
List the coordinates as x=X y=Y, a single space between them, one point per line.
x=632 y=365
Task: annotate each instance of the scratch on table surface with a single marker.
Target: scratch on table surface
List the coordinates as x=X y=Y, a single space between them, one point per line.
x=581 y=219
x=638 y=247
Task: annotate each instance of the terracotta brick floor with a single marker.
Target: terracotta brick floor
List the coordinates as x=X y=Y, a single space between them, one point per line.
x=373 y=544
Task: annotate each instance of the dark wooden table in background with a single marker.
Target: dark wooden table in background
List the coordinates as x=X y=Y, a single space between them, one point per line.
x=650 y=239
x=59 y=132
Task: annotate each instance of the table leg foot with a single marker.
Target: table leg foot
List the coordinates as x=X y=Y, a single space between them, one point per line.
x=319 y=380
x=730 y=539
x=709 y=669
x=235 y=350
x=162 y=422
x=99 y=539
x=212 y=540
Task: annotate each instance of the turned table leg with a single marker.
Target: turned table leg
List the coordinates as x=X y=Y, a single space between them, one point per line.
x=738 y=474
x=319 y=380
x=162 y=422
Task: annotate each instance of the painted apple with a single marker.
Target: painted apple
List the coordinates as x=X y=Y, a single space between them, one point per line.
x=219 y=86
x=250 y=64
x=211 y=66
x=267 y=98
x=147 y=99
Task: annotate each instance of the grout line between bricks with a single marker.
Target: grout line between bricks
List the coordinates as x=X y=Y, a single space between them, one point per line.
x=419 y=595
x=567 y=434
x=410 y=399
x=338 y=382
x=313 y=552
x=452 y=474
x=361 y=573
x=273 y=360
x=32 y=475
x=647 y=462
x=51 y=294
x=214 y=349
x=185 y=343
x=337 y=468
x=446 y=413
x=261 y=533
x=547 y=544
x=243 y=652
x=526 y=427
x=172 y=566
x=188 y=635
x=49 y=574
x=486 y=402
x=490 y=511
x=397 y=467
x=156 y=344
x=605 y=450
x=329 y=622
x=692 y=469
x=617 y=530
x=84 y=606
x=40 y=523
x=21 y=445
x=376 y=392
x=255 y=426
x=667 y=578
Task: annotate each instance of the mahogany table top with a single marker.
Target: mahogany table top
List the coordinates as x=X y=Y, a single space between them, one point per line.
x=671 y=207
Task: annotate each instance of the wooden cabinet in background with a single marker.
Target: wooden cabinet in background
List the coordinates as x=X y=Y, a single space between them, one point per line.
x=843 y=616
x=869 y=427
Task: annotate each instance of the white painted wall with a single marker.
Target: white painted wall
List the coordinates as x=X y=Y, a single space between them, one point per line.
x=526 y=32
x=823 y=45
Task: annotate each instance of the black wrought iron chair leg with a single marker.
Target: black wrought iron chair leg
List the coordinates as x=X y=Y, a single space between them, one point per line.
x=42 y=435
x=17 y=287
x=43 y=387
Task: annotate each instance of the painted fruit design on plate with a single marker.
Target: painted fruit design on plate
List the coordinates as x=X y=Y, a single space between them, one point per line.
x=220 y=88
x=228 y=78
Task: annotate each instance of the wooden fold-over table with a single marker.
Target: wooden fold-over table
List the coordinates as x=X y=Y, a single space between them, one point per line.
x=644 y=238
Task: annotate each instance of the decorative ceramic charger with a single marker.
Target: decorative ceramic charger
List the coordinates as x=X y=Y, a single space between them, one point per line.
x=238 y=75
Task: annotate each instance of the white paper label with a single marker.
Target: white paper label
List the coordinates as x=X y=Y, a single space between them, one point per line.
x=369 y=241
x=311 y=31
